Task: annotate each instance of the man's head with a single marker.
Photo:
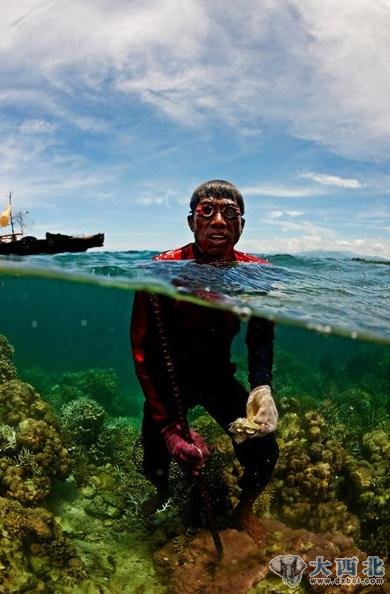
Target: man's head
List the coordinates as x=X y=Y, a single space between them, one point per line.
x=216 y=219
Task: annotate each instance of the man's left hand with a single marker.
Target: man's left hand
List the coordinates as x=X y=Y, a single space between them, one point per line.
x=261 y=409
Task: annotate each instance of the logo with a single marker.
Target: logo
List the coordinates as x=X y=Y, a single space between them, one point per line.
x=289 y=567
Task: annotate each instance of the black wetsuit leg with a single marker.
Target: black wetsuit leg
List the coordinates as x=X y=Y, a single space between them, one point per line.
x=258 y=456
x=156 y=457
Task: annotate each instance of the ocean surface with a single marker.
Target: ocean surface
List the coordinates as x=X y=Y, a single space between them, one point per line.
x=67 y=317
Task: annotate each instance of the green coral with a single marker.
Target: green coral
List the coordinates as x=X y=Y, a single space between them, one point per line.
x=82 y=420
x=371 y=494
x=7 y=368
x=306 y=487
x=101 y=385
x=34 y=553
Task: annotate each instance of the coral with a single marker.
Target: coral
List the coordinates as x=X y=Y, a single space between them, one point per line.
x=82 y=420
x=34 y=553
x=31 y=450
x=22 y=484
x=306 y=481
x=7 y=439
x=30 y=456
x=37 y=456
x=193 y=567
x=312 y=482
x=377 y=442
x=100 y=385
x=7 y=368
x=344 y=411
x=332 y=516
x=19 y=401
x=371 y=495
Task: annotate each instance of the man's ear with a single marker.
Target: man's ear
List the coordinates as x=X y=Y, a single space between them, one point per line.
x=190 y=221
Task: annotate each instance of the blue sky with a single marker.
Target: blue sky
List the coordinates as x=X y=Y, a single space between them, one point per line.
x=112 y=111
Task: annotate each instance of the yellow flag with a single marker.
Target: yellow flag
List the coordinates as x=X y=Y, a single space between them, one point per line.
x=5 y=217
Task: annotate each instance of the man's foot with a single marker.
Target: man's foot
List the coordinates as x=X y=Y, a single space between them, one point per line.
x=244 y=518
x=243 y=514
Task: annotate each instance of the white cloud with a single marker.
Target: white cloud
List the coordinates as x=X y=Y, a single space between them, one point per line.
x=318 y=68
x=37 y=127
x=277 y=214
x=294 y=213
x=280 y=191
x=332 y=180
x=151 y=198
x=308 y=242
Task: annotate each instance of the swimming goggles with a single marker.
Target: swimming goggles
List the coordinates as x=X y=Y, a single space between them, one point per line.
x=230 y=212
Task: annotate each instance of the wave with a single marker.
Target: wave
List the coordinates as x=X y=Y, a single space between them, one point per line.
x=328 y=294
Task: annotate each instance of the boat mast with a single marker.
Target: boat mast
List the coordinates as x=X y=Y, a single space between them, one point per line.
x=10 y=215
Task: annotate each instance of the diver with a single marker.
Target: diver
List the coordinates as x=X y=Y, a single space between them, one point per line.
x=199 y=340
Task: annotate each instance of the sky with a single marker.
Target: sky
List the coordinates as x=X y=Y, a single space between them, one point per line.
x=113 y=111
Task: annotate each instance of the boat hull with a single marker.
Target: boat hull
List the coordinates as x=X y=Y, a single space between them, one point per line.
x=54 y=243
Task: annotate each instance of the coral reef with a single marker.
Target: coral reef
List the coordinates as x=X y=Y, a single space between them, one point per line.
x=31 y=449
x=7 y=368
x=81 y=420
x=370 y=477
x=100 y=385
x=19 y=401
x=31 y=457
x=97 y=532
x=307 y=478
x=245 y=563
x=34 y=553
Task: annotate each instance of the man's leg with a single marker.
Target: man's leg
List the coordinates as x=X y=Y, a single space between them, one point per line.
x=258 y=455
x=156 y=457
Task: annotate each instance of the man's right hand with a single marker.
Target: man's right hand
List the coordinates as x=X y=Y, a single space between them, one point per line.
x=190 y=456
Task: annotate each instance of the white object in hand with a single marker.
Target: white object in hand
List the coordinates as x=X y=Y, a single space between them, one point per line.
x=262 y=416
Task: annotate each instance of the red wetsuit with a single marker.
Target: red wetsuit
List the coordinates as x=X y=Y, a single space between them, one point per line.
x=199 y=340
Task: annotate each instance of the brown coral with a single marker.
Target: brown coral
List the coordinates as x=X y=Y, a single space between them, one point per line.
x=38 y=456
x=19 y=401
x=34 y=551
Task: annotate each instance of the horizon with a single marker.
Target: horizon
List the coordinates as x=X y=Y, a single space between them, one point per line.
x=112 y=114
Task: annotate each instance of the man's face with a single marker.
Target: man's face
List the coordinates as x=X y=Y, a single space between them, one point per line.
x=217 y=226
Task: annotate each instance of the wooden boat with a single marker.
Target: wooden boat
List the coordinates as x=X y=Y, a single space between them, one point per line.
x=54 y=243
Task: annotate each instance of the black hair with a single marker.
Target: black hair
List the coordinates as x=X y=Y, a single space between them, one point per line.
x=217 y=188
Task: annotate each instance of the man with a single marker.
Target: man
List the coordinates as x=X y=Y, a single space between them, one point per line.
x=190 y=345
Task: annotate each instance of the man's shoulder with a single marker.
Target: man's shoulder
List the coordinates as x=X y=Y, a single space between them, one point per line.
x=183 y=253
x=244 y=257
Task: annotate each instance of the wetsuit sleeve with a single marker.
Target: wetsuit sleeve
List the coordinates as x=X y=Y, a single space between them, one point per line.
x=140 y=332
x=260 y=343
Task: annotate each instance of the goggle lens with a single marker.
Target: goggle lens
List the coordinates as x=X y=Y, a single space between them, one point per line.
x=228 y=211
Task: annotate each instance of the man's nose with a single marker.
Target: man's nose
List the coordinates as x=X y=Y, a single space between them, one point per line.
x=217 y=218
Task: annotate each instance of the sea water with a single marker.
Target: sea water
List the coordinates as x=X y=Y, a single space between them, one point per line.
x=68 y=317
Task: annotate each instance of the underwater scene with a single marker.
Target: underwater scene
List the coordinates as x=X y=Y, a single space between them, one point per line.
x=75 y=513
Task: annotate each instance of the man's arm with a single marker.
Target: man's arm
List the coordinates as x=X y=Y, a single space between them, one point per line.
x=261 y=413
x=189 y=455
x=260 y=342
x=141 y=320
